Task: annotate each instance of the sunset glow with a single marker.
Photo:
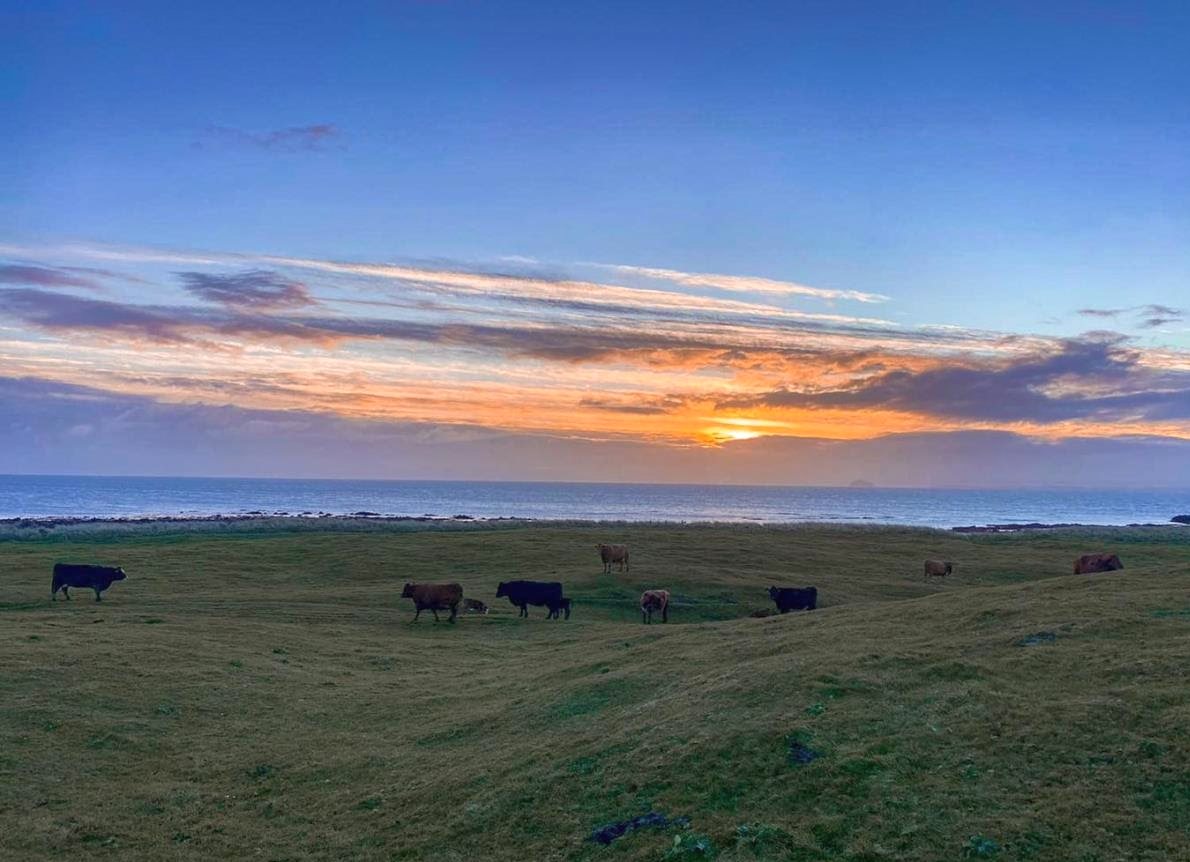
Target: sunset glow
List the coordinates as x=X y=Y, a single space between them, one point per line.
x=525 y=354
x=592 y=244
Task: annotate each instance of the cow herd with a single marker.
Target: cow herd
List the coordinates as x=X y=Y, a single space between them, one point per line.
x=546 y=594
x=549 y=595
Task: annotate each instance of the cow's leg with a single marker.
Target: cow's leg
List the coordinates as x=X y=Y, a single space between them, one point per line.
x=416 y=615
x=454 y=612
x=665 y=614
x=434 y=611
x=66 y=592
x=98 y=597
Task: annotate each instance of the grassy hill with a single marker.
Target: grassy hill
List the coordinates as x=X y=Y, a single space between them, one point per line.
x=262 y=694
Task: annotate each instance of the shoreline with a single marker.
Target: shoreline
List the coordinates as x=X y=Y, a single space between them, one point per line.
x=44 y=524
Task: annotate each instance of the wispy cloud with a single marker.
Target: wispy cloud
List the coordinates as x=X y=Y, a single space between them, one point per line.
x=741 y=283
x=1144 y=316
x=521 y=346
x=495 y=284
x=1155 y=316
x=253 y=289
x=316 y=136
x=45 y=276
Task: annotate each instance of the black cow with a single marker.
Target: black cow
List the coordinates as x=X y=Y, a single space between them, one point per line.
x=794 y=599
x=97 y=578
x=541 y=593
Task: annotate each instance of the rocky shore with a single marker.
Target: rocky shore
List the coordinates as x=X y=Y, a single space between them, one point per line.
x=1020 y=528
x=366 y=519
x=50 y=523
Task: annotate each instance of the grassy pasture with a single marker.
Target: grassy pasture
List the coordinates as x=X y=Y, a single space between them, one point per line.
x=261 y=693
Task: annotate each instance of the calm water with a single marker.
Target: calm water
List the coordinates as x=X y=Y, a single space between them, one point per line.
x=86 y=496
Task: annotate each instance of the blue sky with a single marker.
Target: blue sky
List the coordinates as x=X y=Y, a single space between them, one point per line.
x=1004 y=161
x=994 y=167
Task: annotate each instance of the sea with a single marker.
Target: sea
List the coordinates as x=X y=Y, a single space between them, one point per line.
x=129 y=497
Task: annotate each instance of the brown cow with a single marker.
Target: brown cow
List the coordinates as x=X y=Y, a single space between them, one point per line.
x=1089 y=563
x=654 y=600
x=613 y=554
x=434 y=597
x=938 y=569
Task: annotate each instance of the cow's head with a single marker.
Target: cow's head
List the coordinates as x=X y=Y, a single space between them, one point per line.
x=407 y=593
x=773 y=593
x=502 y=590
x=1114 y=562
x=119 y=575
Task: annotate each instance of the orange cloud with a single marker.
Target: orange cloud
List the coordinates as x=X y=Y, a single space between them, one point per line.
x=527 y=353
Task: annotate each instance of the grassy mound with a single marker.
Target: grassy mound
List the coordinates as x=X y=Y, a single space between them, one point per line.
x=264 y=695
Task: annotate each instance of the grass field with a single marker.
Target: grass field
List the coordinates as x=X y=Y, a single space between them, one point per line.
x=262 y=694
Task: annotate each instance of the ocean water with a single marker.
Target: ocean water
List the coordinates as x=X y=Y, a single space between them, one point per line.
x=91 y=496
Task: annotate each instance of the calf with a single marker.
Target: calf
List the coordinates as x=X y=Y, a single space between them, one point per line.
x=651 y=601
x=563 y=605
x=613 y=554
x=434 y=598
x=474 y=606
x=97 y=578
x=794 y=599
x=937 y=569
x=521 y=594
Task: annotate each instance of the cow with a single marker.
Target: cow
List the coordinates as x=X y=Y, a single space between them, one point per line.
x=938 y=569
x=474 y=606
x=434 y=598
x=1090 y=563
x=794 y=599
x=521 y=594
x=613 y=554
x=651 y=601
x=97 y=578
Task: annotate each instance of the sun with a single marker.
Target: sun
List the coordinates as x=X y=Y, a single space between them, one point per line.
x=726 y=435
x=725 y=429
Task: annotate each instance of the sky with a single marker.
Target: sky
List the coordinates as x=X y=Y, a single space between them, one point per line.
x=805 y=243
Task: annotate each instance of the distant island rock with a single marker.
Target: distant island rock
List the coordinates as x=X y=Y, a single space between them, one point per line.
x=1181 y=519
x=862 y=483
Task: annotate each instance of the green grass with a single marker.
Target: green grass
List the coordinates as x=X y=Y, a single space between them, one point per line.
x=262 y=693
